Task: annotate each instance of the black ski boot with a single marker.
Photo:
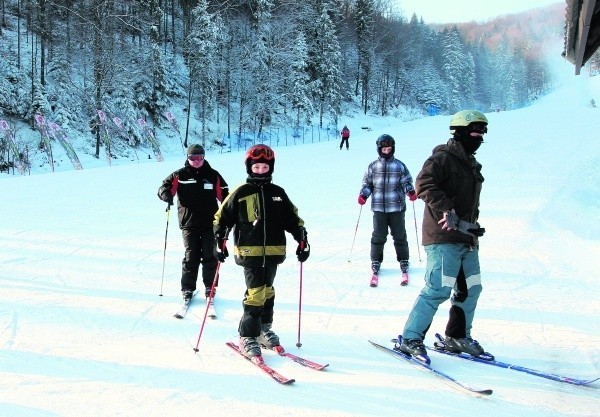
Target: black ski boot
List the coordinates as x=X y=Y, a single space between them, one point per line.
x=249 y=347
x=267 y=337
x=463 y=345
x=414 y=348
x=207 y=292
x=187 y=295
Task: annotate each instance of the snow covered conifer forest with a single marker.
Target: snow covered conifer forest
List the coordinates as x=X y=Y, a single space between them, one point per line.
x=241 y=67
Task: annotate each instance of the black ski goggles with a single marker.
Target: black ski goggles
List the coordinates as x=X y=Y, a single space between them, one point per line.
x=386 y=143
x=478 y=127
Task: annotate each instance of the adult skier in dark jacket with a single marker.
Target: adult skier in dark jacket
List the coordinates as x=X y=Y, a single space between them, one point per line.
x=450 y=185
x=199 y=188
x=461 y=176
x=259 y=212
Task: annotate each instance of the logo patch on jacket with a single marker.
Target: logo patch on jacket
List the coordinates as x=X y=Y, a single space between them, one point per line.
x=277 y=198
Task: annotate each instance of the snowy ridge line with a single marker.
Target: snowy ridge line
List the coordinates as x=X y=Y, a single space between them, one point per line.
x=445 y=377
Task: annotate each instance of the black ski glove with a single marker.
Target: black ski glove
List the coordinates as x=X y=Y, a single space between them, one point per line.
x=451 y=221
x=472 y=229
x=303 y=249
x=167 y=198
x=221 y=251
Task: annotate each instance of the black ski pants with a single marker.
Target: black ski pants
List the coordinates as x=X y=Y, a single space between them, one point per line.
x=395 y=223
x=259 y=300
x=199 y=249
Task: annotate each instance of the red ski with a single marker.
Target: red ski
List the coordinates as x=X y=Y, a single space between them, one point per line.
x=302 y=361
x=374 y=280
x=404 y=280
x=260 y=363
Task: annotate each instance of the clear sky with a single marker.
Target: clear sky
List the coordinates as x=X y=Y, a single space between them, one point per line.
x=458 y=11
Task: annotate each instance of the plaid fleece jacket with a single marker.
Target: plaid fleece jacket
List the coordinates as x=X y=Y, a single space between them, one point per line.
x=387 y=181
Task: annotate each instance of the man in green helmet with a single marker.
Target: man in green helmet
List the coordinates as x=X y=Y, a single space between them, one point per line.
x=450 y=185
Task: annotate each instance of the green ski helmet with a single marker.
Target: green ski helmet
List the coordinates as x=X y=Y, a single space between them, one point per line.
x=465 y=117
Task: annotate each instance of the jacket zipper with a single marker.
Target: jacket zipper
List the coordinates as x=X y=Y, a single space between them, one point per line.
x=384 y=183
x=262 y=202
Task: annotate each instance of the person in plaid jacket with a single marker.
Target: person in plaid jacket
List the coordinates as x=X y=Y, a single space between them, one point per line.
x=387 y=181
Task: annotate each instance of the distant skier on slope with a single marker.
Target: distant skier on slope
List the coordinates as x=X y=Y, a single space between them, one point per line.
x=345 y=137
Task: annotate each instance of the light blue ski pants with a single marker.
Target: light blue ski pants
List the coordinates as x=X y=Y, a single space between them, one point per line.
x=444 y=261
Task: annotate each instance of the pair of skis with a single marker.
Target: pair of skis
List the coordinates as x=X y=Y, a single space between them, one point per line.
x=375 y=279
x=257 y=360
x=260 y=363
x=212 y=313
x=440 y=348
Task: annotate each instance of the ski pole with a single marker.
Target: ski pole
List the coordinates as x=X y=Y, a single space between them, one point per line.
x=355 y=230
x=416 y=232
x=298 y=344
x=168 y=210
x=212 y=292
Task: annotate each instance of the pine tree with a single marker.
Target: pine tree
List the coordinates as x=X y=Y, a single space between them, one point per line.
x=364 y=43
x=431 y=88
x=501 y=69
x=458 y=69
x=299 y=80
x=326 y=64
x=14 y=99
x=160 y=101
x=261 y=65
x=201 y=49
x=40 y=104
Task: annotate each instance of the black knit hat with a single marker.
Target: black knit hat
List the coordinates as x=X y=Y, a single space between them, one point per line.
x=195 y=150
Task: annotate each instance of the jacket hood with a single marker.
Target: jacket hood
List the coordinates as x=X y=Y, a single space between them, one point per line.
x=454 y=148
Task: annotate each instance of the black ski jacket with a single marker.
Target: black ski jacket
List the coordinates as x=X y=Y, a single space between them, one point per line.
x=198 y=192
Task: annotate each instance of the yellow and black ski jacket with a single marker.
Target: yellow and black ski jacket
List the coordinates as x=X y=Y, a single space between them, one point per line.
x=258 y=213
